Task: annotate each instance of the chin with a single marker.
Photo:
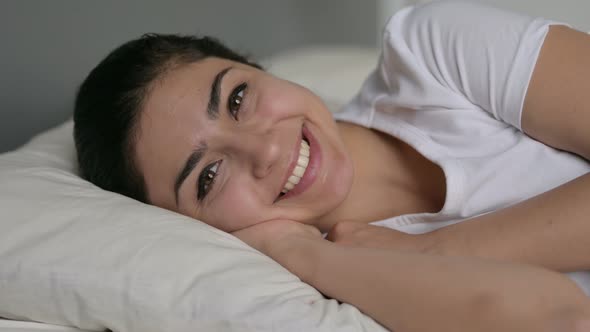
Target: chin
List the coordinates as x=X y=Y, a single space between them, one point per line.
x=334 y=193
x=341 y=185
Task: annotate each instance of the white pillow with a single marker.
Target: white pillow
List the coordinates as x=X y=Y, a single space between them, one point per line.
x=73 y=254
x=335 y=73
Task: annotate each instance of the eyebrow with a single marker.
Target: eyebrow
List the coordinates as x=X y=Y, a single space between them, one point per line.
x=213 y=113
x=213 y=105
x=190 y=164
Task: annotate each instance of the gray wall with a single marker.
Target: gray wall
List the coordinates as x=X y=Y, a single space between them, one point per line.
x=49 y=46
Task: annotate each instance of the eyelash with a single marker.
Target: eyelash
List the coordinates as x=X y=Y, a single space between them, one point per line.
x=234 y=101
x=207 y=178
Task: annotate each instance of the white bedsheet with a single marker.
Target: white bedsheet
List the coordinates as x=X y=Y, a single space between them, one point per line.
x=20 y=326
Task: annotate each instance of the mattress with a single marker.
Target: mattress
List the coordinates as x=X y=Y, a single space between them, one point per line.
x=19 y=326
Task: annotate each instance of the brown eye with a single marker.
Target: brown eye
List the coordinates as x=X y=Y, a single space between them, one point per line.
x=235 y=100
x=206 y=179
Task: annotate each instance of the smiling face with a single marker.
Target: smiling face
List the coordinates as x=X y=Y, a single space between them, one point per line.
x=219 y=141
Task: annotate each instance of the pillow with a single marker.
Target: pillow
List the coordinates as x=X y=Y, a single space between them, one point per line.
x=335 y=73
x=73 y=254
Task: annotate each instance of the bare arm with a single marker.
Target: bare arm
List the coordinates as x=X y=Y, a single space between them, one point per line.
x=408 y=292
x=551 y=230
x=414 y=292
x=557 y=105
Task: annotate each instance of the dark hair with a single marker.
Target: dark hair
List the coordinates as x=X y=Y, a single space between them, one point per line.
x=110 y=99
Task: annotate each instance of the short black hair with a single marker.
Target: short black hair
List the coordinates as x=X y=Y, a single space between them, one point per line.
x=109 y=101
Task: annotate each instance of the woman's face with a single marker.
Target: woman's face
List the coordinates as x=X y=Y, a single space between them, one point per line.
x=219 y=141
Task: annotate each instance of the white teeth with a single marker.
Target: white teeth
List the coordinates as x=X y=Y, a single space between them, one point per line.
x=304 y=149
x=294 y=179
x=302 y=162
x=298 y=171
x=289 y=186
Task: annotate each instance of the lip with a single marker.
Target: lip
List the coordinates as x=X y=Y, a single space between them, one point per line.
x=312 y=169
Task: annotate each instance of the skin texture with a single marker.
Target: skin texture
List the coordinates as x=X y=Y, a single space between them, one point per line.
x=395 y=276
x=557 y=106
x=550 y=230
x=257 y=148
x=399 y=288
x=519 y=298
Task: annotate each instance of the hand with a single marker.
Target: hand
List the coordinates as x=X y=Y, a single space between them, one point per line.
x=287 y=242
x=369 y=236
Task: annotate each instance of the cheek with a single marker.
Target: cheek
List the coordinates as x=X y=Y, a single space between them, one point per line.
x=283 y=100
x=236 y=207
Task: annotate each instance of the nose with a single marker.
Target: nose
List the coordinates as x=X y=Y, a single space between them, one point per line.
x=260 y=151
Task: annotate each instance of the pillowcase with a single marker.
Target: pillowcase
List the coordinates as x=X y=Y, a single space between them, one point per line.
x=335 y=73
x=73 y=254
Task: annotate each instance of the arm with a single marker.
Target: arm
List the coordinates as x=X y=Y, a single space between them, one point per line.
x=553 y=229
x=400 y=290
x=557 y=105
x=550 y=230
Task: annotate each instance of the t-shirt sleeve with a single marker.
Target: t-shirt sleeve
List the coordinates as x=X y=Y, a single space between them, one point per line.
x=449 y=52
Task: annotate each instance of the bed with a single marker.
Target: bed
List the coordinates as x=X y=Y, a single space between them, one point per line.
x=62 y=266
x=20 y=326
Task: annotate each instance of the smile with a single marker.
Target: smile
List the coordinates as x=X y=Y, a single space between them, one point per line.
x=299 y=170
x=303 y=168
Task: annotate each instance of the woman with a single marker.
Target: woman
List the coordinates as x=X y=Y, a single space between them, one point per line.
x=188 y=125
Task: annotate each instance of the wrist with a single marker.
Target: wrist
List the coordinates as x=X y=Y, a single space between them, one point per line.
x=299 y=254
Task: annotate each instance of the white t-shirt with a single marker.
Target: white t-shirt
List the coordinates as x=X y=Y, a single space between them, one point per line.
x=451 y=82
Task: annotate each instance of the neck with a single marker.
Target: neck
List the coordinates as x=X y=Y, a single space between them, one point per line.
x=390 y=179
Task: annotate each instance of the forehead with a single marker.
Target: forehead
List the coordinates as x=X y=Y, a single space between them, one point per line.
x=181 y=82
x=171 y=123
